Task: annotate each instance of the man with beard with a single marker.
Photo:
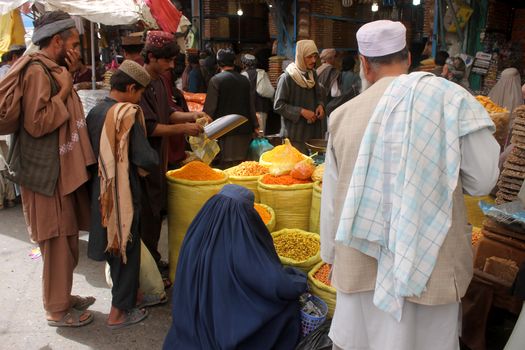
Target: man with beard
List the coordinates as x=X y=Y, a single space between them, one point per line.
x=162 y=121
x=299 y=97
x=393 y=223
x=52 y=155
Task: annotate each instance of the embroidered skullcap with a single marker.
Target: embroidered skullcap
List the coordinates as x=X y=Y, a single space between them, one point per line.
x=381 y=38
x=158 y=39
x=132 y=40
x=135 y=72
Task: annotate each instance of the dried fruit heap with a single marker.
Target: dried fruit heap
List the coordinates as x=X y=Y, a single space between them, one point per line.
x=248 y=169
x=490 y=106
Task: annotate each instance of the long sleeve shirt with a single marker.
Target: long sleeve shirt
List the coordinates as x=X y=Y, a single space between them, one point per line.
x=478 y=172
x=290 y=98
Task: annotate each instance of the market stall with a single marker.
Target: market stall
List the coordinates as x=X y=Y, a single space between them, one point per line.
x=287 y=189
x=498 y=241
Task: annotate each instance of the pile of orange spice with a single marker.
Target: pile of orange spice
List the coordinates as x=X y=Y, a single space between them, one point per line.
x=197 y=171
x=263 y=213
x=282 y=180
x=249 y=168
x=323 y=274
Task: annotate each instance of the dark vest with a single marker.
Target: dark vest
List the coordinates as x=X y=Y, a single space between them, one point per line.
x=234 y=98
x=34 y=163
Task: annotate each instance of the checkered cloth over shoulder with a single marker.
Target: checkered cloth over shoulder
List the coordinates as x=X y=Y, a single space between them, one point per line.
x=398 y=207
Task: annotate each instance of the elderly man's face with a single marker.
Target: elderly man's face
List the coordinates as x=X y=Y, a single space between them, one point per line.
x=310 y=61
x=70 y=45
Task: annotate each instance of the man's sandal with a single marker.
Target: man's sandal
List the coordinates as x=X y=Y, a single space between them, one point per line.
x=71 y=319
x=132 y=317
x=149 y=300
x=82 y=303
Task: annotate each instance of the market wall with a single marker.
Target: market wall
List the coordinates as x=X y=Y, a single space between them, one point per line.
x=518 y=31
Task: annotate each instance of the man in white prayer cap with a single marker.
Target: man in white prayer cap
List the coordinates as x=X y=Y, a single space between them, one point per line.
x=400 y=156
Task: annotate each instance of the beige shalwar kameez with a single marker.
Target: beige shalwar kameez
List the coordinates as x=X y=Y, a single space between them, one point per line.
x=54 y=221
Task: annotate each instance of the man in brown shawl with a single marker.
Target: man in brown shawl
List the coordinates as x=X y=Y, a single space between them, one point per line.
x=54 y=152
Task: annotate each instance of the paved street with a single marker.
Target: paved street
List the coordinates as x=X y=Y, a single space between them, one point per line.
x=22 y=320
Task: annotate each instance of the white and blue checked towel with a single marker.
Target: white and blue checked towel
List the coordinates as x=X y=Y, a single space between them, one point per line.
x=398 y=207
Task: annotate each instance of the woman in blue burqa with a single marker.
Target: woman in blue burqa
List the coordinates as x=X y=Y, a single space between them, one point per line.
x=231 y=291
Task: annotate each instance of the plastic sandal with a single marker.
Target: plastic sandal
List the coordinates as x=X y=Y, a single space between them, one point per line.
x=71 y=319
x=132 y=317
x=152 y=300
x=82 y=303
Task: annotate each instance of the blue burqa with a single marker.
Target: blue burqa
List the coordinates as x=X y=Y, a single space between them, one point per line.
x=231 y=291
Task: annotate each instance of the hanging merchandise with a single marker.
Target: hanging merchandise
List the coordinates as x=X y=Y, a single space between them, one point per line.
x=462 y=13
x=11 y=31
x=166 y=14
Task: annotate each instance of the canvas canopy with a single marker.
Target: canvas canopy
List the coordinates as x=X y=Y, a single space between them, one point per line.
x=108 y=12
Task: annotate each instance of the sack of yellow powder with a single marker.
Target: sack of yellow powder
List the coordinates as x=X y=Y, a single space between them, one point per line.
x=315 y=209
x=189 y=188
x=247 y=174
x=281 y=159
x=320 y=285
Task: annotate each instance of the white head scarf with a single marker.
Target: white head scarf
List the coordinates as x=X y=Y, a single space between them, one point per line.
x=298 y=70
